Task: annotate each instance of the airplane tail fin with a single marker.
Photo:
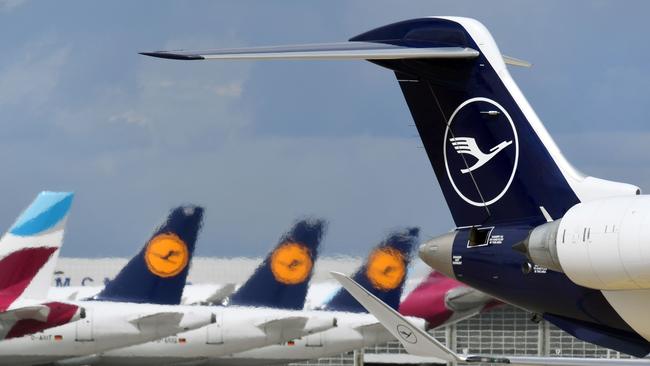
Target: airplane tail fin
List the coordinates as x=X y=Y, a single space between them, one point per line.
x=383 y=273
x=281 y=281
x=441 y=300
x=30 y=249
x=427 y=300
x=157 y=274
x=492 y=156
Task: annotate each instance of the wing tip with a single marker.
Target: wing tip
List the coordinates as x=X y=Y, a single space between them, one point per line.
x=172 y=56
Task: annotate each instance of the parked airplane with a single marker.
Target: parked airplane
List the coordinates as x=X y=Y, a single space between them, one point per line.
x=250 y=320
x=383 y=273
x=441 y=301
x=124 y=313
x=29 y=251
x=579 y=259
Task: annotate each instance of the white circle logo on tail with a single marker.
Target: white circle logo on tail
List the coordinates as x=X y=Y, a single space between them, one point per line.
x=481 y=149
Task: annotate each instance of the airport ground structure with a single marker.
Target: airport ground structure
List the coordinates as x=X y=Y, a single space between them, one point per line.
x=503 y=331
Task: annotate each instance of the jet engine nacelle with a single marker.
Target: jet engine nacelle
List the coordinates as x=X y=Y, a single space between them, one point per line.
x=602 y=244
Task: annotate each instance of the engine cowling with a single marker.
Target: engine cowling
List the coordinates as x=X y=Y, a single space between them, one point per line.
x=602 y=244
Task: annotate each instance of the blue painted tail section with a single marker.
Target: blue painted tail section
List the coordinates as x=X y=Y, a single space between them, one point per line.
x=281 y=281
x=158 y=273
x=44 y=213
x=489 y=160
x=383 y=273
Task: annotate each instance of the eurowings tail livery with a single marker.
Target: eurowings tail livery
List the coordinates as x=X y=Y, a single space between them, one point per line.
x=441 y=300
x=531 y=229
x=28 y=253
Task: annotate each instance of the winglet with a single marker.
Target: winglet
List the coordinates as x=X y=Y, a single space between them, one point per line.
x=515 y=61
x=415 y=340
x=171 y=56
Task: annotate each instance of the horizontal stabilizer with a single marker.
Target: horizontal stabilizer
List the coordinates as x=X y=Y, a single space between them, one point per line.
x=284 y=322
x=220 y=295
x=293 y=327
x=515 y=61
x=371 y=328
x=158 y=319
x=323 y=51
x=36 y=312
x=420 y=343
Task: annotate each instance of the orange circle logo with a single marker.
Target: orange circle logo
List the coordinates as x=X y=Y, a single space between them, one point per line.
x=386 y=268
x=291 y=263
x=166 y=255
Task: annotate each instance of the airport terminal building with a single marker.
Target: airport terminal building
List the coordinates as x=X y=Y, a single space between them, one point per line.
x=502 y=331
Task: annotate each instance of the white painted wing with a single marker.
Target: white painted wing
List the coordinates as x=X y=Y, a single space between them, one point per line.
x=415 y=340
x=322 y=51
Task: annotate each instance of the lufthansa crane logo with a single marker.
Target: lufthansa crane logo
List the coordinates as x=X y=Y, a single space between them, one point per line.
x=407 y=334
x=481 y=151
x=467 y=145
x=386 y=268
x=166 y=255
x=291 y=263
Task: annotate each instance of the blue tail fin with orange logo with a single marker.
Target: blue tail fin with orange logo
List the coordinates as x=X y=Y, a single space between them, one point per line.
x=383 y=273
x=282 y=280
x=157 y=274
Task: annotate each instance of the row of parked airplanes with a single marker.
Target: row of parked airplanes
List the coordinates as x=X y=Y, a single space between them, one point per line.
x=139 y=318
x=531 y=231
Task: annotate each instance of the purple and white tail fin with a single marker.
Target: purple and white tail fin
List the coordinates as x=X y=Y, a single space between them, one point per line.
x=29 y=250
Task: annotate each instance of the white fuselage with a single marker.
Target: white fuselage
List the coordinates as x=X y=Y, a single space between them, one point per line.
x=354 y=331
x=107 y=325
x=317 y=295
x=237 y=329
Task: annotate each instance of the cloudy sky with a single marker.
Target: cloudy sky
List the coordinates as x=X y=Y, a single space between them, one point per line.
x=260 y=144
